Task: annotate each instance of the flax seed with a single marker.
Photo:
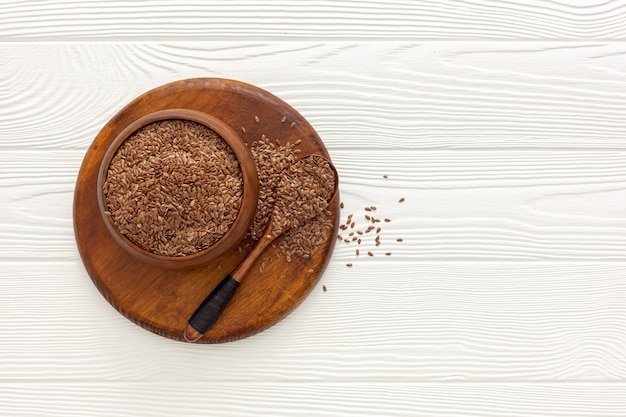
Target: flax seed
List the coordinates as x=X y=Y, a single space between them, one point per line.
x=183 y=197
x=401 y=200
x=370 y=254
x=399 y=239
x=256 y=119
x=283 y=119
x=349 y=265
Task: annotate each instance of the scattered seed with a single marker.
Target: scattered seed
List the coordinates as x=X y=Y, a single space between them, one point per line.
x=358 y=241
x=399 y=239
x=352 y=225
x=357 y=252
x=370 y=254
x=387 y=220
x=283 y=119
x=293 y=124
x=243 y=129
x=324 y=288
x=341 y=205
x=368 y=209
x=388 y=254
x=256 y=119
x=401 y=200
x=385 y=176
x=378 y=230
x=349 y=265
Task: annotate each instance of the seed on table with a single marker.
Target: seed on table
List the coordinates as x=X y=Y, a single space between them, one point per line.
x=359 y=232
x=349 y=265
x=385 y=176
x=373 y=208
x=387 y=220
x=339 y=237
x=357 y=252
x=388 y=254
x=343 y=227
x=324 y=288
x=352 y=225
x=378 y=230
x=370 y=253
x=399 y=239
x=367 y=217
x=341 y=205
x=401 y=200
x=351 y=234
x=368 y=209
x=358 y=241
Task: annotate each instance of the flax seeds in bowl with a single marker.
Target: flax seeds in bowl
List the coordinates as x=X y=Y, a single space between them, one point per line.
x=178 y=188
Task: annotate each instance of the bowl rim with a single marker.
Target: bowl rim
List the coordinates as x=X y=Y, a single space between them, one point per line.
x=239 y=228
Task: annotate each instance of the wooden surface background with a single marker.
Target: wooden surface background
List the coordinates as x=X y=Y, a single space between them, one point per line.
x=501 y=123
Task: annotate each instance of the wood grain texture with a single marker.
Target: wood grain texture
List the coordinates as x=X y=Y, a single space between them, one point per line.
x=280 y=19
x=500 y=123
x=463 y=204
x=323 y=399
x=381 y=320
x=433 y=95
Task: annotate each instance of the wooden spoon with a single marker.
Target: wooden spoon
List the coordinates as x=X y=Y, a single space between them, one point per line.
x=304 y=191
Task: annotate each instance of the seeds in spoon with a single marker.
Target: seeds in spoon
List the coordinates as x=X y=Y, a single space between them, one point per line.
x=302 y=192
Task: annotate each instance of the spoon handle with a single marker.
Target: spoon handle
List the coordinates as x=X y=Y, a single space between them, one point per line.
x=212 y=306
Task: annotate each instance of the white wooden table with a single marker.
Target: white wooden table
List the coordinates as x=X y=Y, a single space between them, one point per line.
x=503 y=126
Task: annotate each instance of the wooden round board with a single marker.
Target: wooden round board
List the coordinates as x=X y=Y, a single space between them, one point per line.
x=162 y=300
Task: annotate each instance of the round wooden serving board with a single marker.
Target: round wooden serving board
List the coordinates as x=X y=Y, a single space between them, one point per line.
x=162 y=300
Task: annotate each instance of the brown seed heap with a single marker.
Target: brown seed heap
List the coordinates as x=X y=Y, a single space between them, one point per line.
x=174 y=188
x=302 y=193
x=271 y=159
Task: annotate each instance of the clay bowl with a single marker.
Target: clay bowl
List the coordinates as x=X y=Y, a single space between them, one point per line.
x=238 y=229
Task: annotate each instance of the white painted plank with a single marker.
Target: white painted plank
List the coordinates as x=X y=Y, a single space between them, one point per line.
x=381 y=320
x=279 y=19
x=379 y=95
x=489 y=204
x=319 y=399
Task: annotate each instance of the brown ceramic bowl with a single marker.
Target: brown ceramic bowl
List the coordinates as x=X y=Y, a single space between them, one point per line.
x=245 y=215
